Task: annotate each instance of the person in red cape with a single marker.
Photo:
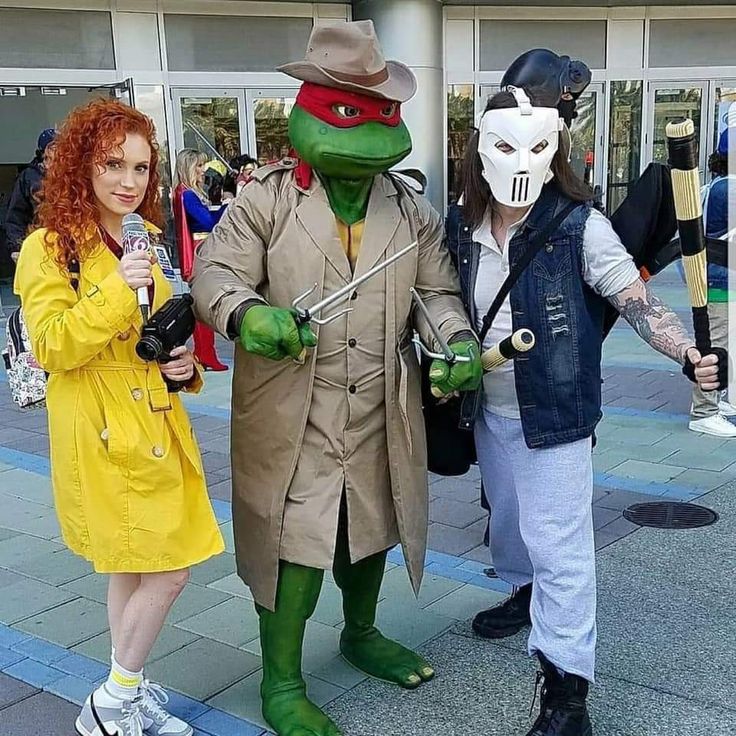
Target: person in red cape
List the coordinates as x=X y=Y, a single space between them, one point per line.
x=193 y=221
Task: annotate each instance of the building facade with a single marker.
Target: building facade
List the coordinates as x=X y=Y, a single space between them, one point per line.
x=204 y=71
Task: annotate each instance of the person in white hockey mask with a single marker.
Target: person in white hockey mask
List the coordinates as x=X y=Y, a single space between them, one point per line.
x=534 y=419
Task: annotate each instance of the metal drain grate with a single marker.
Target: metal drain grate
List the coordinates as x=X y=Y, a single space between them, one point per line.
x=670 y=515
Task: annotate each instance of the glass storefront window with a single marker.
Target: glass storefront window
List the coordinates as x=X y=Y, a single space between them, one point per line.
x=673 y=104
x=582 y=133
x=216 y=119
x=725 y=112
x=460 y=113
x=149 y=99
x=271 y=115
x=624 y=154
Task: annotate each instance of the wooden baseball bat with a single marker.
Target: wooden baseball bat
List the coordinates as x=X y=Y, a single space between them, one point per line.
x=682 y=146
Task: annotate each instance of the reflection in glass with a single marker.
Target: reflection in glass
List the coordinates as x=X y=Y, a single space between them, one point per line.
x=272 y=127
x=669 y=105
x=217 y=119
x=460 y=109
x=725 y=112
x=149 y=99
x=582 y=132
x=624 y=154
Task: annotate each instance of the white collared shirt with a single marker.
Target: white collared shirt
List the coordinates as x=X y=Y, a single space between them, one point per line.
x=607 y=268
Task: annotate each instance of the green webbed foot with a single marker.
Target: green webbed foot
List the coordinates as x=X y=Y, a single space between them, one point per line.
x=293 y=714
x=377 y=656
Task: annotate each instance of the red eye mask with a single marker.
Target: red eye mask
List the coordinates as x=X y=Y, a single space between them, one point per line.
x=346 y=109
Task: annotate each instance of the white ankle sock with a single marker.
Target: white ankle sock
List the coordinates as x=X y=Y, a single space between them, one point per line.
x=121 y=683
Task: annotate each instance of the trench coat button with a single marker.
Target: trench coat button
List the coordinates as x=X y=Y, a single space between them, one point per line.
x=354 y=296
x=124 y=335
x=158 y=451
x=105 y=434
x=549 y=249
x=352 y=342
x=137 y=394
x=352 y=389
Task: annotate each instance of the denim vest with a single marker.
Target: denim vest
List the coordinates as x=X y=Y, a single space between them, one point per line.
x=558 y=382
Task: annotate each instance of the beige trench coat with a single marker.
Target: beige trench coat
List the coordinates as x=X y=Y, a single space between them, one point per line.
x=275 y=241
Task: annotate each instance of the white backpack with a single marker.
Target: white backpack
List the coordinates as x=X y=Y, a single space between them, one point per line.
x=26 y=378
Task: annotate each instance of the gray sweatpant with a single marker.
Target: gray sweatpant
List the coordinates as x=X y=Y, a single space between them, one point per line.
x=542 y=531
x=705 y=403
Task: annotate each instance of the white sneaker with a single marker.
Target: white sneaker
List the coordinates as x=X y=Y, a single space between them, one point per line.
x=728 y=410
x=717 y=425
x=104 y=715
x=156 y=720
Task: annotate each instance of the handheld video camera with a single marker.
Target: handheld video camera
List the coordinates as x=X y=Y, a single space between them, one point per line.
x=168 y=328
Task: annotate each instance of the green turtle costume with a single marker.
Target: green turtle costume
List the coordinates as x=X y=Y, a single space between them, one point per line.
x=328 y=445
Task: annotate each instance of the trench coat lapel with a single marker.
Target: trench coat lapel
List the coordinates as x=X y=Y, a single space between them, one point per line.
x=382 y=220
x=318 y=220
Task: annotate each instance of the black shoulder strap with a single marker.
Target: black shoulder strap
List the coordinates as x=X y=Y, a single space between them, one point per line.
x=534 y=246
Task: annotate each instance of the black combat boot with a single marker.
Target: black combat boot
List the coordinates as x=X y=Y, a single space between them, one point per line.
x=562 y=710
x=507 y=618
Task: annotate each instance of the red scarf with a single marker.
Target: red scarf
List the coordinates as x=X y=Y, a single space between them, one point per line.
x=325 y=103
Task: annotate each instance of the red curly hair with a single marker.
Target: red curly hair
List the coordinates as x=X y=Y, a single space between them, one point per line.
x=67 y=204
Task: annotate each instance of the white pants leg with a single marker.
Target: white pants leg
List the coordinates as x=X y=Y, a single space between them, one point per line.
x=508 y=551
x=551 y=492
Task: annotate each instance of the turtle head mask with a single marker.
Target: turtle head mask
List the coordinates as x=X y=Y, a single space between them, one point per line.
x=347 y=135
x=516 y=146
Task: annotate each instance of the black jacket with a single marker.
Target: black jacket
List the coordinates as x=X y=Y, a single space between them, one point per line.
x=22 y=205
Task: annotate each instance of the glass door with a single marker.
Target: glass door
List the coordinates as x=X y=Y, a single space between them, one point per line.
x=669 y=101
x=723 y=108
x=123 y=91
x=268 y=122
x=586 y=132
x=210 y=120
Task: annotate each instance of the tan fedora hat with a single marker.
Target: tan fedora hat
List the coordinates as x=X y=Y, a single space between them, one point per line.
x=348 y=56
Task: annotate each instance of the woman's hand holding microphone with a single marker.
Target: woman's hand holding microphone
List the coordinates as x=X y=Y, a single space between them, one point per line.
x=135 y=269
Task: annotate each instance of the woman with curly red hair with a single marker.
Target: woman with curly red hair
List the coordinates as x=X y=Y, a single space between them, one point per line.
x=128 y=481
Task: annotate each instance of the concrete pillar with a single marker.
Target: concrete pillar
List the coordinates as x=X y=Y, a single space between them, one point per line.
x=410 y=31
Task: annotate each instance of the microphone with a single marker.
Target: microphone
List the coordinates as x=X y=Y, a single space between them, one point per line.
x=135 y=238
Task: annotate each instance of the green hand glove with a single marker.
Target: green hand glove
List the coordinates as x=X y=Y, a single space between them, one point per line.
x=272 y=333
x=458 y=376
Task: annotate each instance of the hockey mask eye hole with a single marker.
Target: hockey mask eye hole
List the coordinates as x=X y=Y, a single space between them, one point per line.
x=346 y=111
x=505 y=147
x=540 y=146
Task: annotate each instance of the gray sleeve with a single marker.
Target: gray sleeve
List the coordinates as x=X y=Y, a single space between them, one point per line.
x=608 y=267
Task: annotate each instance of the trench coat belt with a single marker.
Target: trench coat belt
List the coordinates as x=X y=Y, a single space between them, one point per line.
x=159 y=397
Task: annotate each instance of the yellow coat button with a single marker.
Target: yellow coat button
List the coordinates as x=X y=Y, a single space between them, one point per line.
x=105 y=434
x=124 y=335
x=137 y=394
x=158 y=451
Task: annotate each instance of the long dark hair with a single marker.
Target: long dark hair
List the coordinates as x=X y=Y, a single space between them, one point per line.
x=477 y=197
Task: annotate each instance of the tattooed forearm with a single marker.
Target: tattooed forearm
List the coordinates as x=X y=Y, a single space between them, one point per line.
x=653 y=320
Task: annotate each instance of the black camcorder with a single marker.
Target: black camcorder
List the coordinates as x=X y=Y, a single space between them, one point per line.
x=168 y=328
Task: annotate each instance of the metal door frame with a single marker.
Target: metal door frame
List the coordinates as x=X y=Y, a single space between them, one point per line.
x=177 y=93
x=257 y=93
x=705 y=116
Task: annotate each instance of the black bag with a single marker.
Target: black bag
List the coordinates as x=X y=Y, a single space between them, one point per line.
x=450 y=446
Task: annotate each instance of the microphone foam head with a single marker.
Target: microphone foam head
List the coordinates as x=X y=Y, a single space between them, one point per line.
x=133 y=221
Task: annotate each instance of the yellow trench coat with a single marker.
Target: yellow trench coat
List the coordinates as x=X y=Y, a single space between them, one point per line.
x=128 y=481
x=275 y=241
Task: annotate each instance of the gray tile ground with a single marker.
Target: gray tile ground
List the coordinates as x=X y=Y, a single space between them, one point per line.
x=666 y=643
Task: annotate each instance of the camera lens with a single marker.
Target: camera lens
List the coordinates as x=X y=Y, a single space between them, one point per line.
x=149 y=348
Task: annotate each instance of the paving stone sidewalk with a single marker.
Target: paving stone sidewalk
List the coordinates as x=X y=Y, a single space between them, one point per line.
x=53 y=630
